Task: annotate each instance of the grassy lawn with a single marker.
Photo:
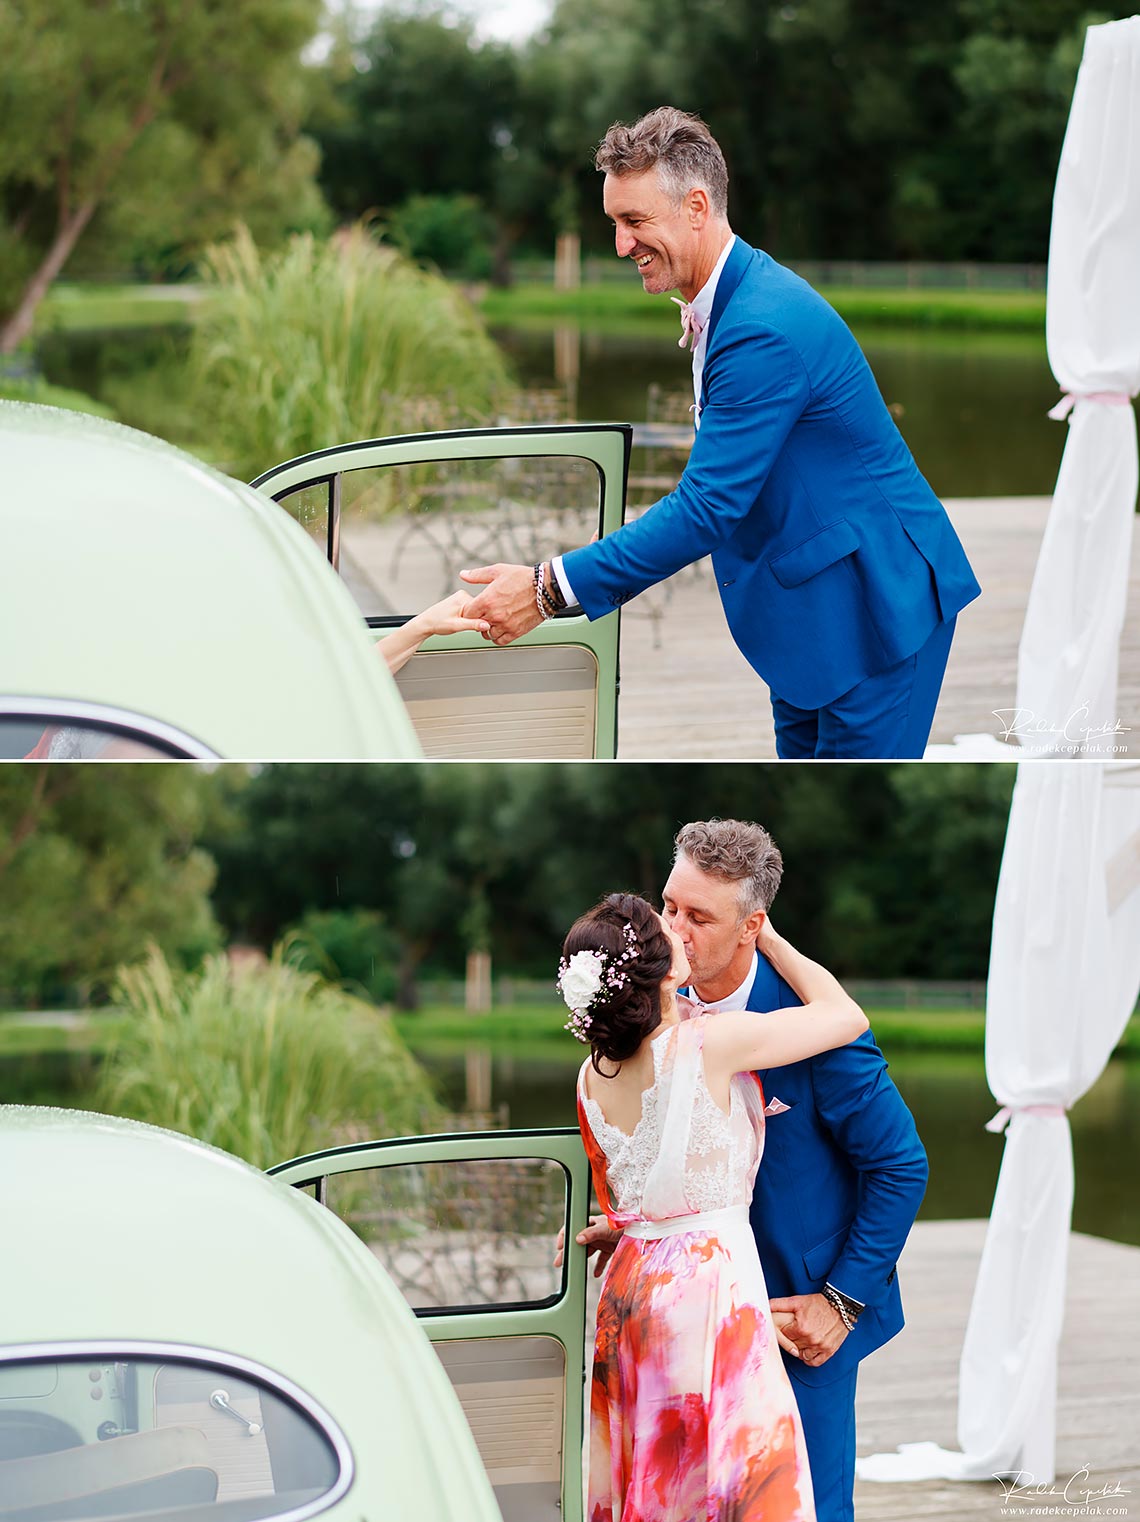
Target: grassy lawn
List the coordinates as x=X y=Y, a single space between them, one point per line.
x=541 y=1025
x=621 y=306
x=73 y=308
x=537 y=1030
x=91 y=1035
x=943 y=1030
x=617 y=307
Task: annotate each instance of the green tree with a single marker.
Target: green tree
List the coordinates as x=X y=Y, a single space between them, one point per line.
x=447 y=855
x=144 y=128
x=417 y=107
x=94 y=865
x=889 y=871
x=312 y=838
x=348 y=946
x=452 y=233
x=1014 y=73
x=852 y=128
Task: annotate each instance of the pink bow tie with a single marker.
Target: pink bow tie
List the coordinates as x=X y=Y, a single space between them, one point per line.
x=692 y=326
x=688 y=1007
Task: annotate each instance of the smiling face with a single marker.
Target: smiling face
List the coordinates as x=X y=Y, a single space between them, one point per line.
x=719 y=943
x=665 y=240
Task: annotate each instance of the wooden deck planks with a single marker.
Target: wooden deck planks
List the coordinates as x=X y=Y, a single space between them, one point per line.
x=908 y=1391
x=688 y=693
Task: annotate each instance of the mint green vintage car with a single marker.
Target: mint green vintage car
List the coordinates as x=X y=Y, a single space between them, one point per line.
x=153 y=607
x=185 y=1339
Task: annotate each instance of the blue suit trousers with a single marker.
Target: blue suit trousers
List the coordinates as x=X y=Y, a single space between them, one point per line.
x=886 y=716
x=828 y=1415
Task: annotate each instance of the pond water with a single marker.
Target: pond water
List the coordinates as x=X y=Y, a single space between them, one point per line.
x=972 y=407
x=947 y=1095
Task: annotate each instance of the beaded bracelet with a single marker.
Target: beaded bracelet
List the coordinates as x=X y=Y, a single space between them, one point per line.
x=548 y=599
x=553 y=593
x=540 y=594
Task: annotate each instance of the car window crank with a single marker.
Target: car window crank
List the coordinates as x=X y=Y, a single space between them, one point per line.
x=220 y=1401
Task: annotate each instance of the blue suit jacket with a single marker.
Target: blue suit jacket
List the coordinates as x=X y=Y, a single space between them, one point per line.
x=833 y=557
x=839 y=1186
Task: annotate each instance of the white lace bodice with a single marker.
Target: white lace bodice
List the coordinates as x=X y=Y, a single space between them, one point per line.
x=709 y=1168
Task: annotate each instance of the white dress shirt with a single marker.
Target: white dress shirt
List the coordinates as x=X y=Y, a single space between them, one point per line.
x=702 y=305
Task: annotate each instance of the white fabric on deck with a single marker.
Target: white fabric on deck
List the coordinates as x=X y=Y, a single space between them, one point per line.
x=1070 y=643
x=1064 y=978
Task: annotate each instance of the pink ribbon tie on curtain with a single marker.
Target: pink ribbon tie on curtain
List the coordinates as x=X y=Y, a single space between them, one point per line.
x=1007 y=1112
x=1070 y=399
x=691 y=325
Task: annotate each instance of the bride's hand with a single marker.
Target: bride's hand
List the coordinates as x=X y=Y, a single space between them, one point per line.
x=768 y=938
x=598 y=1237
x=780 y=1320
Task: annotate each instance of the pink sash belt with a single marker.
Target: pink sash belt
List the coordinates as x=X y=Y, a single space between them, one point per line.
x=705 y=1220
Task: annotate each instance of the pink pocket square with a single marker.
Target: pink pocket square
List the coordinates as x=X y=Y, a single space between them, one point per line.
x=776 y=1107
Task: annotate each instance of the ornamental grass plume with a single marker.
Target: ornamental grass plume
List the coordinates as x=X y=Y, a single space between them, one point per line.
x=328 y=341
x=264 y=1060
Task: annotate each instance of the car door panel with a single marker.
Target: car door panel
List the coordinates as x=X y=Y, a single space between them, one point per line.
x=466 y=1227
x=537 y=700
x=399 y=518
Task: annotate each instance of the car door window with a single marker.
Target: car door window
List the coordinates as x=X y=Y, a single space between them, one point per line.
x=117 y=1431
x=48 y=730
x=467 y=1234
x=407 y=530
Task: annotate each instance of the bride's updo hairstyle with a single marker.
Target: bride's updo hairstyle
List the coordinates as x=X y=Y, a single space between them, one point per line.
x=614 y=960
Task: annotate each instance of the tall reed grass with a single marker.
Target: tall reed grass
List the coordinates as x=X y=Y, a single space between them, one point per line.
x=325 y=342
x=266 y=1060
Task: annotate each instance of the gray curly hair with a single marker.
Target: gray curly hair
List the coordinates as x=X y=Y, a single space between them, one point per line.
x=675 y=143
x=737 y=852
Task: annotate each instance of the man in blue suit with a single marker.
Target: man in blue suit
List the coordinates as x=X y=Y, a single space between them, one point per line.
x=843 y=1171
x=840 y=574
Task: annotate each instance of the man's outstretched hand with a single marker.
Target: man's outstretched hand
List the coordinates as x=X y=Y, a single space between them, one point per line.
x=598 y=1237
x=507 y=601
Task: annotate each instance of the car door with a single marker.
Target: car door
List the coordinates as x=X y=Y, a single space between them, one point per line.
x=466 y=1226
x=399 y=519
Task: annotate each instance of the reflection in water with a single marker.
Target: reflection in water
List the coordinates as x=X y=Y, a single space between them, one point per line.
x=477 y=1079
x=950 y=1102
x=568 y=363
x=972 y=407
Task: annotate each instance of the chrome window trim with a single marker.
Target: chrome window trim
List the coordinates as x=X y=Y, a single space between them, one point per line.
x=135 y=725
x=60 y=1352
x=505 y=433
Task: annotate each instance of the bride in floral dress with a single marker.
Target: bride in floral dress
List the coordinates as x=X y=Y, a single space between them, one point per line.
x=692 y=1416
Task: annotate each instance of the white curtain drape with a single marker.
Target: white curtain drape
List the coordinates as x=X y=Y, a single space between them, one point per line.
x=1070 y=642
x=1064 y=978
x=1068 y=658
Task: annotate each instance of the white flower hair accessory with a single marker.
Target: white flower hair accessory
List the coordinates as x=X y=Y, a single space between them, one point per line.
x=592 y=977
